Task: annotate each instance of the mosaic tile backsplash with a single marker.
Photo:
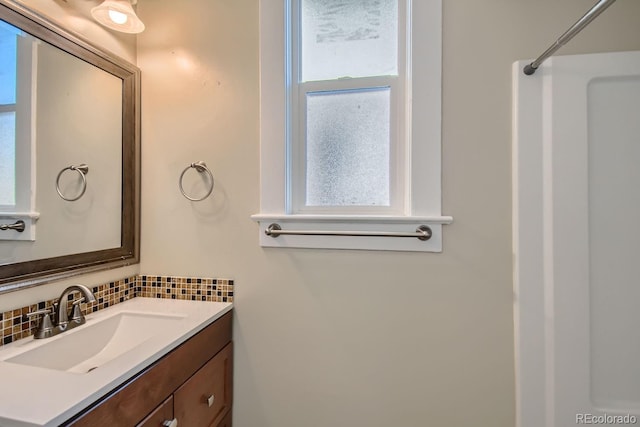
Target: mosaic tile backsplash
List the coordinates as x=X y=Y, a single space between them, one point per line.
x=14 y=325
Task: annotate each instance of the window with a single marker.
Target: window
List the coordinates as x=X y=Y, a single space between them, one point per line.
x=17 y=81
x=350 y=122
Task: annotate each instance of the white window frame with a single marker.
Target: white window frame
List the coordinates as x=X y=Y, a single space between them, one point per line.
x=298 y=90
x=26 y=92
x=418 y=158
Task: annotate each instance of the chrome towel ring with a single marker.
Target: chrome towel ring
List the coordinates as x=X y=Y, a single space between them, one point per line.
x=83 y=170
x=201 y=167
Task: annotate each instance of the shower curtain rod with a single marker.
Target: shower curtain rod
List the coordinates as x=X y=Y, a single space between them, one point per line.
x=568 y=35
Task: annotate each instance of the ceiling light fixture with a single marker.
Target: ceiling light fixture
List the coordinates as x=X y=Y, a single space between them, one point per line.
x=118 y=15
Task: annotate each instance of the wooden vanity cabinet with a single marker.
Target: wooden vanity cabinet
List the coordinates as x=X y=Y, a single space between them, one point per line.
x=192 y=384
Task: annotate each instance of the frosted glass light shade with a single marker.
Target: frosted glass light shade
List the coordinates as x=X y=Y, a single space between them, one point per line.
x=118 y=15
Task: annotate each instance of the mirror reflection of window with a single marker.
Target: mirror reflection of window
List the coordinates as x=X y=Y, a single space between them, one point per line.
x=8 y=69
x=17 y=147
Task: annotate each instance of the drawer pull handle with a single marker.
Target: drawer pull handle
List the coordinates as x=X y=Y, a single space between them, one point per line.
x=210 y=400
x=171 y=423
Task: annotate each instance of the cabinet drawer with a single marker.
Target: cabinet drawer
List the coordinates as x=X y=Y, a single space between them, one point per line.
x=205 y=398
x=157 y=418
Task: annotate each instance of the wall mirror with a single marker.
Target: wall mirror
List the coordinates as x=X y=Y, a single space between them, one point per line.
x=69 y=153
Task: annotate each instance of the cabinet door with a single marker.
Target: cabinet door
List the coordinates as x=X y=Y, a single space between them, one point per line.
x=162 y=413
x=205 y=398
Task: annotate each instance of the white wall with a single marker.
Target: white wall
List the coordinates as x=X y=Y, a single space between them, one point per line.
x=342 y=337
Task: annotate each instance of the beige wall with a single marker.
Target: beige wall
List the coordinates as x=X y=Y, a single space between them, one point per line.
x=350 y=338
x=347 y=338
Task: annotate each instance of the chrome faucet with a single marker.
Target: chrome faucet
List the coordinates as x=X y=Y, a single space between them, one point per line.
x=62 y=315
x=61 y=321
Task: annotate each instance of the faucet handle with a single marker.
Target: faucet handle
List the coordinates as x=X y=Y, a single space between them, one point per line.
x=77 y=315
x=28 y=316
x=45 y=327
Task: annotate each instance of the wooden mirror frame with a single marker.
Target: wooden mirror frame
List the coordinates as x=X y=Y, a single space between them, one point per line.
x=31 y=273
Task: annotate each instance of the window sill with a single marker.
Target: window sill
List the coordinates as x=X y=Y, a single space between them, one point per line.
x=351 y=223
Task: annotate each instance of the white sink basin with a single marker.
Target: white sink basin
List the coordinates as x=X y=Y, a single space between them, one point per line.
x=83 y=350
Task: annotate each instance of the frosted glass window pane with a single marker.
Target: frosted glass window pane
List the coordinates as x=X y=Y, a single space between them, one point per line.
x=7 y=158
x=356 y=38
x=8 y=47
x=348 y=148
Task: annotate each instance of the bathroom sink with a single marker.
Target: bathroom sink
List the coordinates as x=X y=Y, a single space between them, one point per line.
x=86 y=363
x=92 y=345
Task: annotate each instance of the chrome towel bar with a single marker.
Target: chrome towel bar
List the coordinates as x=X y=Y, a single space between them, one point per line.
x=423 y=233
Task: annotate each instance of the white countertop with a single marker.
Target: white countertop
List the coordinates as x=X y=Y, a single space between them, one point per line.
x=33 y=396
